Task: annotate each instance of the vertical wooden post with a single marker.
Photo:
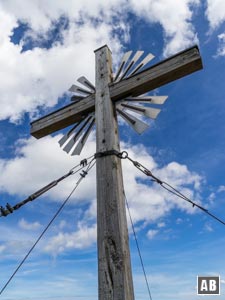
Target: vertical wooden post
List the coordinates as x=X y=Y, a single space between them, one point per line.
x=114 y=266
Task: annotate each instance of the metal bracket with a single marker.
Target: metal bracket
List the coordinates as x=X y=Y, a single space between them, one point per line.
x=107 y=153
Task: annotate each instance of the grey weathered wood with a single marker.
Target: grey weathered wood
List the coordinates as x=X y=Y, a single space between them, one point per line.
x=114 y=267
x=63 y=117
x=175 y=67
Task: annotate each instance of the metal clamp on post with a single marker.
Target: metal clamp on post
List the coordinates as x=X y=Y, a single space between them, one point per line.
x=107 y=153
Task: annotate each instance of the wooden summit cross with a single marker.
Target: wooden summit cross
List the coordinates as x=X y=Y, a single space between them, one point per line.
x=114 y=267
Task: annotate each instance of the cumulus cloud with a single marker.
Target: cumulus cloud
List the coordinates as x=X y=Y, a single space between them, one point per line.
x=39 y=162
x=215 y=13
x=15 y=241
x=148 y=201
x=152 y=233
x=23 y=224
x=161 y=224
x=83 y=237
x=221 y=46
x=208 y=227
x=221 y=188
x=2 y=248
x=175 y=18
x=41 y=14
x=38 y=77
x=179 y=221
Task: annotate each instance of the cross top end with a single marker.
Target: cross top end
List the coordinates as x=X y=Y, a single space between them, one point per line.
x=105 y=46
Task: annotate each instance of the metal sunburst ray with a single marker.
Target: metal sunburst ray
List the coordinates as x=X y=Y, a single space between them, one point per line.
x=148 y=112
x=133 y=61
x=66 y=136
x=144 y=62
x=83 y=80
x=122 y=64
x=76 y=136
x=83 y=128
x=138 y=125
x=148 y=99
x=129 y=67
x=77 y=89
x=84 y=138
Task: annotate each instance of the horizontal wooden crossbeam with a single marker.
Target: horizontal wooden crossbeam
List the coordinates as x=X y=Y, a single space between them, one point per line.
x=166 y=71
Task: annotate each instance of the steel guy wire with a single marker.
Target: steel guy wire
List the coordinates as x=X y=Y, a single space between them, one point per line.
x=179 y=194
x=9 y=209
x=138 y=248
x=82 y=176
x=165 y=185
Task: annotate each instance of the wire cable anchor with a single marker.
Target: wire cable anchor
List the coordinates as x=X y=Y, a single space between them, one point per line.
x=165 y=185
x=4 y=212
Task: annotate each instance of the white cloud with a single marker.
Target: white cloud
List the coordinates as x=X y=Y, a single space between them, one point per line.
x=43 y=14
x=2 y=248
x=175 y=18
x=208 y=227
x=15 y=241
x=23 y=224
x=221 y=189
x=161 y=224
x=152 y=233
x=215 y=13
x=39 y=76
x=178 y=174
x=38 y=162
x=179 y=221
x=84 y=237
x=212 y=197
x=221 y=46
x=149 y=202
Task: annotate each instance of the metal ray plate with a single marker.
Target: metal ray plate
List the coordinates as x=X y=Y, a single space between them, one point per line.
x=148 y=99
x=143 y=63
x=84 y=138
x=123 y=63
x=83 y=80
x=72 y=142
x=77 y=89
x=136 y=57
x=68 y=134
x=142 y=110
x=138 y=125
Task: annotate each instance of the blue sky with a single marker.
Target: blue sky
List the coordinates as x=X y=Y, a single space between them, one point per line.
x=44 y=47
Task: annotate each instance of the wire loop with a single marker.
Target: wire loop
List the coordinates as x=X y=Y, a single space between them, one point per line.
x=123 y=155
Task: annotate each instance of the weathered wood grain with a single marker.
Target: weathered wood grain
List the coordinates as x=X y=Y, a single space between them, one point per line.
x=114 y=267
x=173 y=68
x=63 y=117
